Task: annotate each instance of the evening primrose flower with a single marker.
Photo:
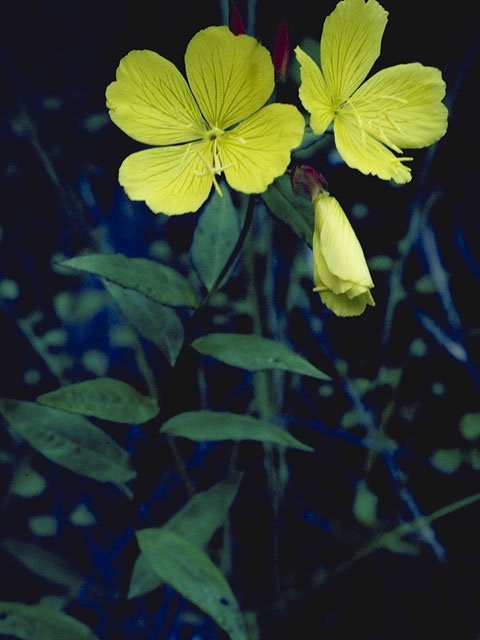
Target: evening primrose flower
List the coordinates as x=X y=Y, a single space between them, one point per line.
x=340 y=273
x=398 y=107
x=216 y=123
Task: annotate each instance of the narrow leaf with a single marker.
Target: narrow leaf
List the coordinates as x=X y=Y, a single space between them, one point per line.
x=46 y=564
x=157 y=281
x=153 y=321
x=190 y=571
x=215 y=236
x=205 y=425
x=36 y=622
x=294 y=210
x=197 y=521
x=254 y=353
x=104 y=398
x=69 y=440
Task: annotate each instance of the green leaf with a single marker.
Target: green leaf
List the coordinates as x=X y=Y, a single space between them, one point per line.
x=205 y=425
x=294 y=210
x=27 y=483
x=204 y=513
x=215 y=236
x=46 y=564
x=254 y=353
x=104 y=398
x=197 y=521
x=365 y=505
x=156 y=281
x=470 y=426
x=190 y=571
x=36 y=622
x=154 y=321
x=69 y=440
x=447 y=460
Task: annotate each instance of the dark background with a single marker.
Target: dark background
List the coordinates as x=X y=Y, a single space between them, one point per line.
x=60 y=195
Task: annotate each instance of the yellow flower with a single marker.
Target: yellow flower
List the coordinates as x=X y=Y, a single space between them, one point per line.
x=230 y=78
x=398 y=107
x=340 y=272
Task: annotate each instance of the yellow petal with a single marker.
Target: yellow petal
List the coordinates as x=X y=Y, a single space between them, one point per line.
x=402 y=106
x=341 y=273
x=171 y=180
x=313 y=93
x=258 y=150
x=151 y=102
x=365 y=152
x=343 y=306
x=231 y=76
x=350 y=44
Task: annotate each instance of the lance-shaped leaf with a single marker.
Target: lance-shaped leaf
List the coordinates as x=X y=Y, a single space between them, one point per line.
x=49 y=566
x=197 y=521
x=294 y=210
x=69 y=440
x=190 y=571
x=219 y=425
x=254 y=353
x=215 y=236
x=104 y=398
x=157 y=281
x=153 y=321
x=36 y=622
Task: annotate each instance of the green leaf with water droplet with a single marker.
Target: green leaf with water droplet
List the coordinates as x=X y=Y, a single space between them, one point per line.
x=196 y=521
x=105 y=398
x=203 y=426
x=255 y=353
x=36 y=622
x=69 y=440
x=190 y=571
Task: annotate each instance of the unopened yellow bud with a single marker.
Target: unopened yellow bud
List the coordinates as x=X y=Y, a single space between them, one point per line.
x=341 y=273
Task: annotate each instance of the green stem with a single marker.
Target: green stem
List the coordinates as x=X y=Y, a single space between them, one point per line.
x=178 y=373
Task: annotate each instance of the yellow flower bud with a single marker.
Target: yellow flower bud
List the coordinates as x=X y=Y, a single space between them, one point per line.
x=341 y=273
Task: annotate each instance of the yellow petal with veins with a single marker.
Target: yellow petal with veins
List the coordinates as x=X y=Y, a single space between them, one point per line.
x=350 y=44
x=231 y=76
x=151 y=101
x=365 y=152
x=258 y=150
x=314 y=94
x=401 y=105
x=171 y=180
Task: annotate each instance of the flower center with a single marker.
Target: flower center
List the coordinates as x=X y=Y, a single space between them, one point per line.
x=212 y=163
x=214 y=132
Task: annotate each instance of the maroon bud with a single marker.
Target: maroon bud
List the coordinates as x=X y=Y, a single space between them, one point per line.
x=307 y=181
x=235 y=19
x=281 y=51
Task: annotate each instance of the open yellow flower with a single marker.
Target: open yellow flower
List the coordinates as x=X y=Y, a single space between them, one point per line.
x=340 y=272
x=230 y=78
x=398 y=107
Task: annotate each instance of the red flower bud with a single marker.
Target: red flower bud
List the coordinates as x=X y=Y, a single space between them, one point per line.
x=235 y=19
x=307 y=181
x=281 y=51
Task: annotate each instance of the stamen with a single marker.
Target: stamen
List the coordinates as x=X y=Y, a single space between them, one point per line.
x=214 y=169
